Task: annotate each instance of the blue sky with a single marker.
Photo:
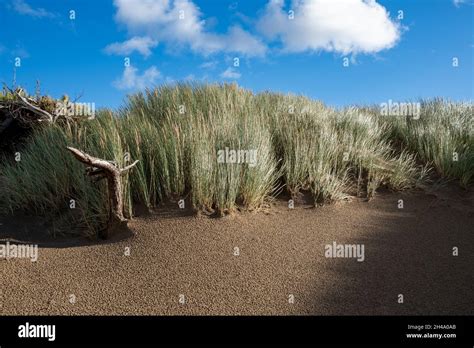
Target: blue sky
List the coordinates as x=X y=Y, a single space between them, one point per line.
x=296 y=46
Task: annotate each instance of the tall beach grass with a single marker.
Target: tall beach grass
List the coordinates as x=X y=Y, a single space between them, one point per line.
x=176 y=132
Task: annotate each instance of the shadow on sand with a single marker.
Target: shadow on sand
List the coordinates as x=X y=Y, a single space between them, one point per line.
x=27 y=229
x=408 y=252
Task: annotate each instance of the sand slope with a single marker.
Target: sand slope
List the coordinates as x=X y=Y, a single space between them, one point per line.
x=407 y=251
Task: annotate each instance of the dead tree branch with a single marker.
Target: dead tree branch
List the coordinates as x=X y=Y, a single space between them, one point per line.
x=106 y=169
x=46 y=116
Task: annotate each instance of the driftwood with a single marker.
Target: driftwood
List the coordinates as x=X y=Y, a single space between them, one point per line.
x=43 y=115
x=23 y=110
x=109 y=170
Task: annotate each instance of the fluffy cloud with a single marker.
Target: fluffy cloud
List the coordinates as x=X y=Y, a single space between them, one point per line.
x=132 y=80
x=458 y=3
x=242 y=41
x=142 y=45
x=179 y=23
x=230 y=73
x=343 y=26
x=21 y=7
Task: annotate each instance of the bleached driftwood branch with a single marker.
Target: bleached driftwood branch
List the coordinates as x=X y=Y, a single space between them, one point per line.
x=44 y=115
x=101 y=169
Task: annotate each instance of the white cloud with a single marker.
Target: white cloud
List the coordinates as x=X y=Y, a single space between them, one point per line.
x=242 y=41
x=458 y=3
x=179 y=23
x=343 y=26
x=142 y=45
x=230 y=73
x=21 y=7
x=132 y=80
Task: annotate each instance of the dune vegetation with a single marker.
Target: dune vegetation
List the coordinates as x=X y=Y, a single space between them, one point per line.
x=176 y=132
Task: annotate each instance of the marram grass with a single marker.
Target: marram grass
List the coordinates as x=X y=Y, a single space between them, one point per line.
x=177 y=133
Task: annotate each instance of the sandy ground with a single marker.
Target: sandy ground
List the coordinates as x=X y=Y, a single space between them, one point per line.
x=407 y=251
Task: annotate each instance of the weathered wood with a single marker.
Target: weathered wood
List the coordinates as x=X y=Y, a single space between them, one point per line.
x=46 y=115
x=109 y=170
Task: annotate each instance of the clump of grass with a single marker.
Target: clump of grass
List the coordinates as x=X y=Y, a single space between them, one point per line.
x=188 y=125
x=48 y=182
x=176 y=133
x=442 y=136
x=323 y=150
